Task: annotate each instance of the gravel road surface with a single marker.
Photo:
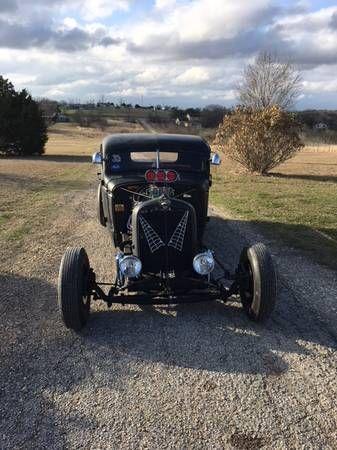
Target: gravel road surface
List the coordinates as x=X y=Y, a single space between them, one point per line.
x=200 y=377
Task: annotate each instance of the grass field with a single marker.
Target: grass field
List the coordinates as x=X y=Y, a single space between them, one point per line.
x=325 y=148
x=33 y=195
x=206 y=133
x=70 y=139
x=122 y=113
x=296 y=204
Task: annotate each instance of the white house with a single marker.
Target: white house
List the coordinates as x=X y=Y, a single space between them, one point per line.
x=321 y=126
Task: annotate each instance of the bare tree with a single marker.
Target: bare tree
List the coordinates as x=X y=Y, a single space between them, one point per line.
x=48 y=107
x=268 y=82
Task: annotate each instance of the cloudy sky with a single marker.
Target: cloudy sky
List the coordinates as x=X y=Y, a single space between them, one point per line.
x=185 y=52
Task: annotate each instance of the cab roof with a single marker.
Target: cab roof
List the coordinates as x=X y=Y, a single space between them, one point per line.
x=151 y=142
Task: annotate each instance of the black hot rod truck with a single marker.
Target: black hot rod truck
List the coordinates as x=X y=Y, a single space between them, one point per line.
x=153 y=199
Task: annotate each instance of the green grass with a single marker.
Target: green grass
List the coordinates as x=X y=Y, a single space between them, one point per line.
x=4 y=217
x=18 y=233
x=70 y=179
x=286 y=209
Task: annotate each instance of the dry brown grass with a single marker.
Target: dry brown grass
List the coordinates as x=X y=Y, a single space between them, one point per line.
x=322 y=148
x=70 y=139
x=312 y=161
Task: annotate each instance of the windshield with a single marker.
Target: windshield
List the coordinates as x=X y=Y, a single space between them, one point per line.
x=151 y=157
x=123 y=161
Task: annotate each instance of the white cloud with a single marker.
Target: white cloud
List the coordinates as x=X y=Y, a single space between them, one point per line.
x=192 y=76
x=165 y=4
x=320 y=86
x=200 y=20
x=150 y=75
x=220 y=19
x=54 y=93
x=228 y=96
x=184 y=52
x=20 y=78
x=311 y=37
x=97 y=9
x=69 y=23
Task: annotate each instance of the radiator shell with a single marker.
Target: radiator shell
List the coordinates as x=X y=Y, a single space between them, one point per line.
x=164 y=235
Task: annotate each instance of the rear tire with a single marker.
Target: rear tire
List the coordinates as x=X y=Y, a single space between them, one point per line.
x=73 y=293
x=258 y=288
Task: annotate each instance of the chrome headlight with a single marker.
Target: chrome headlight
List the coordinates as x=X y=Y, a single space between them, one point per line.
x=204 y=263
x=97 y=158
x=130 y=266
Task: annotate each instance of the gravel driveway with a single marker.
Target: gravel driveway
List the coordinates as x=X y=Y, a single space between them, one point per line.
x=180 y=377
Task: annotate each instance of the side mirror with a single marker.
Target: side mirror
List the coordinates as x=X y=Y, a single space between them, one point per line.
x=97 y=158
x=215 y=159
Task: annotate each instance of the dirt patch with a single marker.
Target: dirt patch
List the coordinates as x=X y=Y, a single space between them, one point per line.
x=246 y=442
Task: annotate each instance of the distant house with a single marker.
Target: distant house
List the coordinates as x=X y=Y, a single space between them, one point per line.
x=61 y=118
x=190 y=122
x=321 y=126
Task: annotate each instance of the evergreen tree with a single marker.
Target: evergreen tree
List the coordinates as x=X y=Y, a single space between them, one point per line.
x=22 y=128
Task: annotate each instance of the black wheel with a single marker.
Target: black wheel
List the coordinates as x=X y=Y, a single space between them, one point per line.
x=258 y=284
x=73 y=296
x=100 y=211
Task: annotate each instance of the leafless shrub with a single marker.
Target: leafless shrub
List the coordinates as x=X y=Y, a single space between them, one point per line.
x=259 y=139
x=100 y=122
x=268 y=82
x=83 y=120
x=48 y=107
x=86 y=120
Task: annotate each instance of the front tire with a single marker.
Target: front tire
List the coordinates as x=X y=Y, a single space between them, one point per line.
x=73 y=292
x=258 y=285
